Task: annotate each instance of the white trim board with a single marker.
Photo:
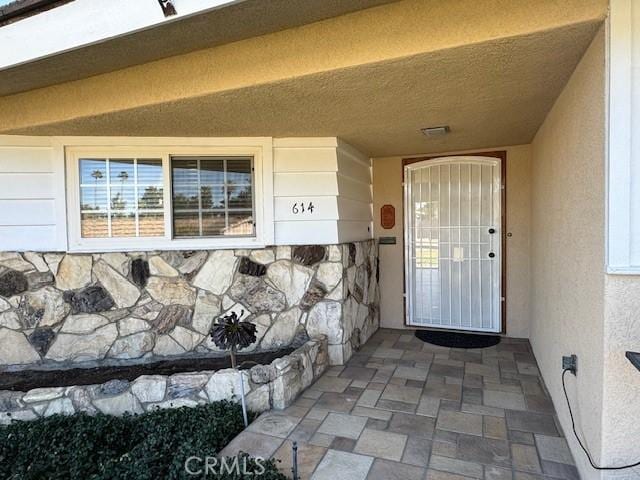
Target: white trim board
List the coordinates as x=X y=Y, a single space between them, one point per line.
x=623 y=156
x=81 y=23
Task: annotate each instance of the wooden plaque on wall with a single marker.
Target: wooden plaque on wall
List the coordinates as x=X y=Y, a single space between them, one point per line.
x=387 y=216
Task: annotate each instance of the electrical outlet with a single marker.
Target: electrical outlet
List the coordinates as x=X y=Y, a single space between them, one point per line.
x=570 y=363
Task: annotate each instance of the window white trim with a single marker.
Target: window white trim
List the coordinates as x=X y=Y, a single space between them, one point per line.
x=259 y=148
x=623 y=162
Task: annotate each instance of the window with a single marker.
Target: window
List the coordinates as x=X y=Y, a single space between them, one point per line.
x=212 y=196
x=184 y=196
x=121 y=197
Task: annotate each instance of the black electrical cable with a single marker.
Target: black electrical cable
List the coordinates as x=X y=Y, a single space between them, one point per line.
x=573 y=426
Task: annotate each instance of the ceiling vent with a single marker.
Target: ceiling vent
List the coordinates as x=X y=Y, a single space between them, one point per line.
x=435 y=131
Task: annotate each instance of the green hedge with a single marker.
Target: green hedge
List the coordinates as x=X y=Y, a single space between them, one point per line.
x=150 y=446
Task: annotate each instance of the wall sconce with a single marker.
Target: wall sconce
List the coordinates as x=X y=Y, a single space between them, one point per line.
x=167 y=8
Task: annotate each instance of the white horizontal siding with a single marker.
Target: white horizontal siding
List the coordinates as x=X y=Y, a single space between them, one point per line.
x=355 y=200
x=353 y=231
x=22 y=238
x=354 y=167
x=311 y=183
x=305 y=172
x=323 y=208
x=26 y=186
x=349 y=209
x=325 y=172
x=309 y=232
x=25 y=160
x=31 y=195
x=27 y=212
x=333 y=176
x=354 y=189
x=306 y=159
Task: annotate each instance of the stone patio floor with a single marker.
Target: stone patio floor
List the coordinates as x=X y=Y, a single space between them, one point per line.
x=403 y=409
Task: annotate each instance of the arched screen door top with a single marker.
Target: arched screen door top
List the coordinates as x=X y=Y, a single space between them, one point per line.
x=453 y=243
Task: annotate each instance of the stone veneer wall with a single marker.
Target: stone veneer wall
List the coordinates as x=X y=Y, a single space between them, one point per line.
x=266 y=386
x=61 y=309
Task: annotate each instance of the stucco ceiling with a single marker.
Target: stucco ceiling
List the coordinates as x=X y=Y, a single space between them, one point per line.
x=491 y=93
x=241 y=20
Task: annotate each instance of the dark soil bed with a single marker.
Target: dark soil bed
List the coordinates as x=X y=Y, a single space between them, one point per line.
x=25 y=380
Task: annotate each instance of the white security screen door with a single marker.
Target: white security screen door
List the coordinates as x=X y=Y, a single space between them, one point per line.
x=453 y=243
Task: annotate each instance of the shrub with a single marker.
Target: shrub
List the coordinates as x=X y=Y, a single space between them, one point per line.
x=151 y=446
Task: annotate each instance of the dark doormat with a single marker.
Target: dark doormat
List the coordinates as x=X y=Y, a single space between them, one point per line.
x=457 y=340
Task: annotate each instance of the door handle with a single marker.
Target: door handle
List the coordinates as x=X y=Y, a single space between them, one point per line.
x=492 y=231
x=492 y=255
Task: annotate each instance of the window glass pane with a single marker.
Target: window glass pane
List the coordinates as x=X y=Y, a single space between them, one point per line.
x=123 y=224
x=185 y=197
x=93 y=172
x=150 y=198
x=151 y=224
x=240 y=223
x=93 y=198
x=121 y=172
x=185 y=184
x=186 y=224
x=213 y=224
x=94 y=225
x=211 y=172
x=212 y=196
x=150 y=172
x=239 y=171
x=123 y=198
x=240 y=196
x=114 y=192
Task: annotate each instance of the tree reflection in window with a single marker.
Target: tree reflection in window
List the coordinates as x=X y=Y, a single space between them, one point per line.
x=121 y=198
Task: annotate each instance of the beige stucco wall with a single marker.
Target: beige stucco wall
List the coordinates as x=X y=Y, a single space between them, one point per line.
x=558 y=292
x=621 y=402
x=567 y=248
x=387 y=189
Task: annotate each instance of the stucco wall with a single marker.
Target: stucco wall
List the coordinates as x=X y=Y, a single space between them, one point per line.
x=387 y=189
x=621 y=405
x=567 y=248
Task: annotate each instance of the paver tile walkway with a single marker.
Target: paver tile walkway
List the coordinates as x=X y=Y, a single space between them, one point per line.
x=404 y=409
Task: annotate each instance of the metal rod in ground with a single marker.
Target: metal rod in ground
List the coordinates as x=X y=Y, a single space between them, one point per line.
x=244 y=404
x=294 y=462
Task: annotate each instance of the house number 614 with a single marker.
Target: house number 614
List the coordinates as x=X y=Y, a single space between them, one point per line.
x=300 y=208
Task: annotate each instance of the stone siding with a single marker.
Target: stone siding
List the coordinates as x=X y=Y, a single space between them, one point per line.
x=266 y=386
x=68 y=309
